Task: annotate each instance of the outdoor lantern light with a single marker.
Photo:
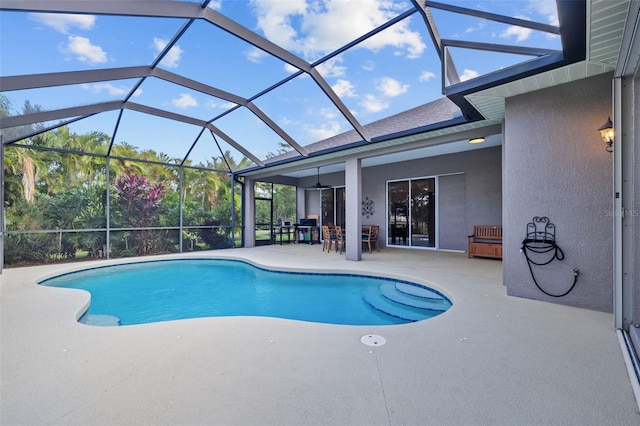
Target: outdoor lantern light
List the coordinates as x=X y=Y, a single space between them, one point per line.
x=476 y=140
x=607 y=134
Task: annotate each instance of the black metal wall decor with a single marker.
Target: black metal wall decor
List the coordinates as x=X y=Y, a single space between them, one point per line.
x=368 y=207
x=540 y=230
x=540 y=240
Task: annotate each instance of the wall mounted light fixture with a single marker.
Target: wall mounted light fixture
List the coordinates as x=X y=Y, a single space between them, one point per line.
x=476 y=140
x=606 y=131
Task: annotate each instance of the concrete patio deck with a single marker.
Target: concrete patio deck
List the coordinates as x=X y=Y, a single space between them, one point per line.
x=491 y=359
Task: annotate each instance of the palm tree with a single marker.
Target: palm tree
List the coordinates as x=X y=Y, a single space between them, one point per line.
x=123 y=166
x=19 y=164
x=81 y=169
x=163 y=172
x=21 y=161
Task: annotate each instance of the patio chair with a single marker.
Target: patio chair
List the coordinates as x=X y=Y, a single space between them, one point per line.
x=370 y=237
x=328 y=238
x=340 y=239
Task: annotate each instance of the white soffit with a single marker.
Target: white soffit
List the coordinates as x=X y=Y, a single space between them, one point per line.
x=605 y=27
x=401 y=156
x=490 y=102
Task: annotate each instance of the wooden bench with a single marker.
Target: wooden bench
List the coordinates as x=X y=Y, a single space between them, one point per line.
x=486 y=241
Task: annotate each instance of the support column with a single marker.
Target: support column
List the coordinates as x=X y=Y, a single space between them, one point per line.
x=233 y=210
x=249 y=214
x=180 y=206
x=353 y=184
x=107 y=212
x=301 y=202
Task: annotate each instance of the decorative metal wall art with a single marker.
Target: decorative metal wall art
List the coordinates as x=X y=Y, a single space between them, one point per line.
x=541 y=230
x=539 y=244
x=368 y=207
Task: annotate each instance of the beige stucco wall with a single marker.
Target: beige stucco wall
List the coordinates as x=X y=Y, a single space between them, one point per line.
x=469 y=191
x=555 y=165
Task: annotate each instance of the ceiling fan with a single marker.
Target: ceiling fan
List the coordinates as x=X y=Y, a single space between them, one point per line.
x=318 y=185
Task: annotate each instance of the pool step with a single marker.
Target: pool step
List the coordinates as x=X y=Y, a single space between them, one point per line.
x=407 y=302
x=415 y=290
x=394 y=294
x=99 y=320
x=407 y=313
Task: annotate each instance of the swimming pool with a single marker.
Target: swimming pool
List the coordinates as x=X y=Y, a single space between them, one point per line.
x=155 y=291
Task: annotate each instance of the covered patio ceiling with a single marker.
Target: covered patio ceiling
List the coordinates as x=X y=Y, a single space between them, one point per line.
x=288 y=85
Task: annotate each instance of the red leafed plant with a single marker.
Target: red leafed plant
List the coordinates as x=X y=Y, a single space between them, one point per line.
x=140 y=199
x=139 y=205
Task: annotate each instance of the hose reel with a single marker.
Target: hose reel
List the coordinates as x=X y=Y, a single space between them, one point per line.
x=541 y=240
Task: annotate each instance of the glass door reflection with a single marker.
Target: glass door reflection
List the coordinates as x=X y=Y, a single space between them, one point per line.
x=334 y=207
x=411 y=213
x=398 y=213
x=423 y=213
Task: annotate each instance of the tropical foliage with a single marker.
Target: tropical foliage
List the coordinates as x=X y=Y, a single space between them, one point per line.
x=56 y=190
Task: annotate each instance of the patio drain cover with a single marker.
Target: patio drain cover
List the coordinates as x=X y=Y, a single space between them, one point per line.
x=373 y=340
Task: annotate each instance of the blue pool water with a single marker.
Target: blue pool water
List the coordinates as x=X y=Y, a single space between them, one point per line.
x=156 y=291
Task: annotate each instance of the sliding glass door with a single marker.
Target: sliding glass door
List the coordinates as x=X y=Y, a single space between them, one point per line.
x=423 y=213
x=398 y=213
x=411 y=213
x=264 y=221
x=333 y=207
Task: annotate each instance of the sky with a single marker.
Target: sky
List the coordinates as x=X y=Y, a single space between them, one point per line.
x=391 y=72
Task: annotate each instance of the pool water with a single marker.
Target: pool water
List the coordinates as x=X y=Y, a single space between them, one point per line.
x=156 y=291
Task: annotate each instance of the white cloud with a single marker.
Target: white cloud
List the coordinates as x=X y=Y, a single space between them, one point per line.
x=426 y=76
x=373 y=104
x=369 y=66
x=330 y=68
x=546 y=8
x=328 y=114
x=184 y=101
x=108 y=87
x=172 y=58
x=274 y=19
x=286 y=121
x=326 y=130
x=84 y=51
x=468 y=75
x=321 y=26
x=224 y=105
x=344 y=88
x=478 y=27
x=254 y=55
x=290 y=68
x=407 y=42
x=215 y=4
x=391 y=87
x=520 y=33
x=62 y=23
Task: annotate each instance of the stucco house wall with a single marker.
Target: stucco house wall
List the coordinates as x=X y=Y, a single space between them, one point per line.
x=469 y=191
x=555 y=165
